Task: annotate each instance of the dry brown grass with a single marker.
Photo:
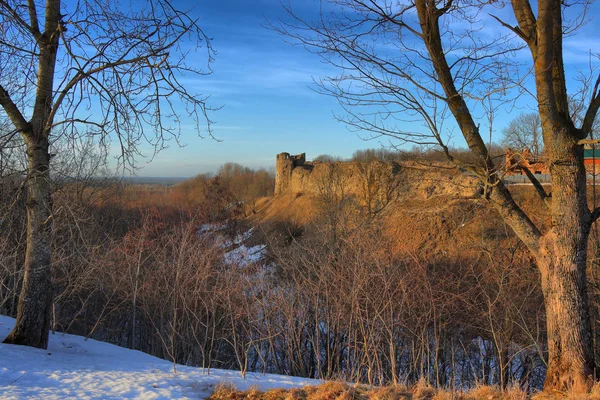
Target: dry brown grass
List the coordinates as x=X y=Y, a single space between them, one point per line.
x=390 y=393
x=343 y=391
x=326 y=391
x=421 y=391
x=443 y=394
x=595 y=392
x=335 y=391
x=482 y=393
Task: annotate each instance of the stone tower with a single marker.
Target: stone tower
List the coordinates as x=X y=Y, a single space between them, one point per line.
x=283 y=170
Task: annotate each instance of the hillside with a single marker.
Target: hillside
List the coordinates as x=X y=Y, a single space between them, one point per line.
x=417 y=222
x=74 y=367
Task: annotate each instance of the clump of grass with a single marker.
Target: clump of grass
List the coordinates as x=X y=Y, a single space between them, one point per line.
x=595 y=392
x=225 y=391
x=423 y=391
x=335 y=391
x=516 y=393
x=494 y=393
x=443 y=394
x=394 y=392
x=483 y=393
x=228 y=392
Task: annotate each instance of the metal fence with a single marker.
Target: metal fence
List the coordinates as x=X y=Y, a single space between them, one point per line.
x=543 y=178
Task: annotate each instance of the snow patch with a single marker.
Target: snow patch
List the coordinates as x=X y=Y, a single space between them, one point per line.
x=206 y=228
x=244 y=255
x=76 y=368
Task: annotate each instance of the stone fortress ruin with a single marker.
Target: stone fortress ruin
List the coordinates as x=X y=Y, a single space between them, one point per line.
x=371 y=180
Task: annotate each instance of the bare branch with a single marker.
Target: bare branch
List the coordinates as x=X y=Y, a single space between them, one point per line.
x=33 y=29
x=526 y=20
x=590 y=114
x=594 y=215
x=515 y=29
x=33 y=19
x=13 y=111
x=546 y=198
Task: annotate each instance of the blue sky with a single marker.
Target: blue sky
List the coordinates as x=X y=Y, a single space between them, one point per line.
x=264 y=86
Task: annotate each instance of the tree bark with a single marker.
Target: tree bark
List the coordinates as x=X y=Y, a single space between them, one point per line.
x=35 y=300
x=562 y=263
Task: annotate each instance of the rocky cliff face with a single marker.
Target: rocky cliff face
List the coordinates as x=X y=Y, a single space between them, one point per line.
x=376 y=181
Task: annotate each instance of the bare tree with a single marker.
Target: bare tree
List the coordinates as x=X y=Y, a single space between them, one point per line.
x=379 y=185
x=427 y=62
x=94 y=68
x=525 y=132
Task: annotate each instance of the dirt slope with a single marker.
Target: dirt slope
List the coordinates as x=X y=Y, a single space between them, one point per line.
x=443 y=224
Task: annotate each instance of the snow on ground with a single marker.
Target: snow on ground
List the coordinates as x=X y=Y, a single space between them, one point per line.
x=237 y=240
x=244 y=255
x=204 y=228
x=76 y=368
x=240 y=254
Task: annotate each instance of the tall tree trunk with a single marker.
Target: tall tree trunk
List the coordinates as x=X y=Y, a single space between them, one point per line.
x=35 y=300
x=33 y=312
x=562 y=264
x=561 y=253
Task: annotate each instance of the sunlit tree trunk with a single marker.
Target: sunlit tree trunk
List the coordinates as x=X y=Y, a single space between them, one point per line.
x=562 y=263
x=561 y=252
x=33 y=311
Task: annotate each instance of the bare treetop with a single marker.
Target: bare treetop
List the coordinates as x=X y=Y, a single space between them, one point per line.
x=99 y=71
x=118 y=75
x=387 y=82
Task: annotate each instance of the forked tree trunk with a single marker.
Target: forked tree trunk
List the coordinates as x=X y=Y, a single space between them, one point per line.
x=562 y=264
x=33 y=312
x=561 y=253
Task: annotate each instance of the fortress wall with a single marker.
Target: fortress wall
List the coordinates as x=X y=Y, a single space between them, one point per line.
x=408 y=180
